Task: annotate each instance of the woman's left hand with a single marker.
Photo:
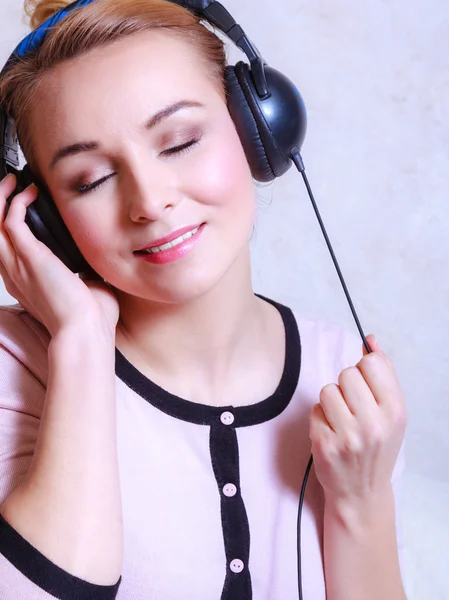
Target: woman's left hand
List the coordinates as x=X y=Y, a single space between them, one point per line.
x=358 y=427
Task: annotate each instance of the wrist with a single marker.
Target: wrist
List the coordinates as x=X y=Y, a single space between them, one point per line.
x=361 y=511
x=360 y=548
x=82 y=343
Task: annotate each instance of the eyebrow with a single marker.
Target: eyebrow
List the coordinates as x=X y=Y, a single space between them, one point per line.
x=163 y=114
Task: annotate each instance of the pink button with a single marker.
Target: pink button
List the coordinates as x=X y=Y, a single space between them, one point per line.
x=236 y=565
x=227 y=418
x=229 y=490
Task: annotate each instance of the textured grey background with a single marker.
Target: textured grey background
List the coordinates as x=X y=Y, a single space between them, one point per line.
x=375 y=78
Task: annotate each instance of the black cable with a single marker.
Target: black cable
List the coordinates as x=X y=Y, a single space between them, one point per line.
x=298 y=539
x=296 y=156
x=298 y=162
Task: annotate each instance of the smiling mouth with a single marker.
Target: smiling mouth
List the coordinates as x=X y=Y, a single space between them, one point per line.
x=171 y=244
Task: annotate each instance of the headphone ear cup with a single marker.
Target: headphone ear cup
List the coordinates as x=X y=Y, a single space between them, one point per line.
x=247 y=128
x=45 y=222
x=280 y=118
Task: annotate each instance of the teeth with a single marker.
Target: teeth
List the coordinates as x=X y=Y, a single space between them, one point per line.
x=175 y=242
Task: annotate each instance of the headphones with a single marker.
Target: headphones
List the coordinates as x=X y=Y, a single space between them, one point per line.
x=266 y=107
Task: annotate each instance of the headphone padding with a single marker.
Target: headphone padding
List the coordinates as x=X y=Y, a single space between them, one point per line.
x=45 y=222
x=247 y=128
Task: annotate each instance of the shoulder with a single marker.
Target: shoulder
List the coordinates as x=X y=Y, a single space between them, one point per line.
x=325 y=345
x=24 y=341
x=328 y=343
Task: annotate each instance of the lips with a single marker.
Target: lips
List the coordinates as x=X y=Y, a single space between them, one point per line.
x=171 y=252
x=170 y=237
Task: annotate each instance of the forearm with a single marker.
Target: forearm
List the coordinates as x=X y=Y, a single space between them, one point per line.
x=69 y=504
x=360 y=550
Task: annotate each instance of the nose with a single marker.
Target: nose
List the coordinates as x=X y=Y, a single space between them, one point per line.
x=152 y=191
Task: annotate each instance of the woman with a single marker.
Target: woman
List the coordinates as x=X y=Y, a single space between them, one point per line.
x=156 y=422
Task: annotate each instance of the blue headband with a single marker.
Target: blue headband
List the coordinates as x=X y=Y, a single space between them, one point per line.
x=36 y=37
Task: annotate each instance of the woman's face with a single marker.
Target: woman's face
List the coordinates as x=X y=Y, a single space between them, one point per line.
x=98 y=119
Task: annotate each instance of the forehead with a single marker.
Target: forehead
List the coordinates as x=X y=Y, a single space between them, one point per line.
x=120 y=83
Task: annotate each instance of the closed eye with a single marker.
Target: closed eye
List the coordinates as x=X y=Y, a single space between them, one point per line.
x=182 y=148
x=85 y=189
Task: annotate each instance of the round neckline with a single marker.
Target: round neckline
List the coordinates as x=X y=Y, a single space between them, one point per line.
x=203 y=414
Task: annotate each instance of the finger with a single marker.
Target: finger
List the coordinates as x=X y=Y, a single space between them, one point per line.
x=335 y=408
x=359 y=398
x=7 y=187
x=380 y=375
x=6 y=248
x=319 y=427
x=356 y=391
x=372 y=343
x=19 y=233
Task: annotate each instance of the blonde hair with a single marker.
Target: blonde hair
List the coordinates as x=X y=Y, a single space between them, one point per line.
x=39 y=11
x=97 y=24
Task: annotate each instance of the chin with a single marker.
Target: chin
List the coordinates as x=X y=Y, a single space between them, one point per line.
x=177 y=287
x=182 y=281
x=181 y=292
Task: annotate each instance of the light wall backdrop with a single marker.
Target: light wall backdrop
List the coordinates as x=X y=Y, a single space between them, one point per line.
x=375 y=79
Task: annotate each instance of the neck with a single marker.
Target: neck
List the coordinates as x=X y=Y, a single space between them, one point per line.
x=206 y=337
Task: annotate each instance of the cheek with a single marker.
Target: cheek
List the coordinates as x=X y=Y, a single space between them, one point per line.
x=223 y=176
x=90 y=228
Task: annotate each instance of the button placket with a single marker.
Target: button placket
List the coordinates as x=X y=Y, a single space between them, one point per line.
x=225 y=461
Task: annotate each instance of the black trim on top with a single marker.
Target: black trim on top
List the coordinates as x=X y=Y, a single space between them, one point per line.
x=44 y=573
x=224 y=453
x=202 y=414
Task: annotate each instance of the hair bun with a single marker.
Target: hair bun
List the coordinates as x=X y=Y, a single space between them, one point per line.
x=39 y=11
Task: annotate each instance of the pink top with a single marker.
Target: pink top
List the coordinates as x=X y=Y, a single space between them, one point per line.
x=210 y=494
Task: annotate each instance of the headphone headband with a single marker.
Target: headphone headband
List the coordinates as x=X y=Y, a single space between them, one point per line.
x=208 y=10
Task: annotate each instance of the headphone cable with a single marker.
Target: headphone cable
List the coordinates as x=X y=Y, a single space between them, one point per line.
x=298 y=539
x=299 y=164
x=297 y=159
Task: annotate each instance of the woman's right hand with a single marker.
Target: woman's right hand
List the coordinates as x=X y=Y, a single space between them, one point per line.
x=41 y=282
